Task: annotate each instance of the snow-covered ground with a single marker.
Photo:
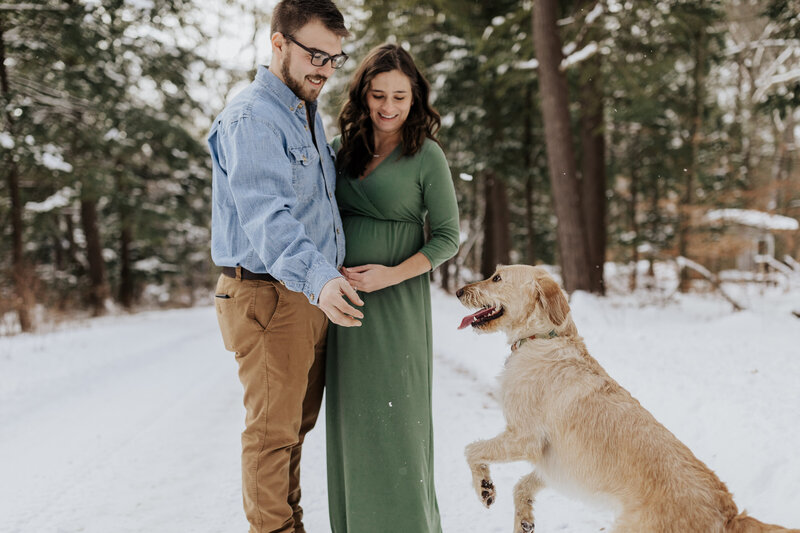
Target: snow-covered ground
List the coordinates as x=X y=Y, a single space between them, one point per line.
x=131 y=424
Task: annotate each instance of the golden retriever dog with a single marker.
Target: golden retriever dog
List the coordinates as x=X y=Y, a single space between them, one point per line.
x=582 y=431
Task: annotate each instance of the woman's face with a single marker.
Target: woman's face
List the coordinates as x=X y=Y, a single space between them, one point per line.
x=389 y=101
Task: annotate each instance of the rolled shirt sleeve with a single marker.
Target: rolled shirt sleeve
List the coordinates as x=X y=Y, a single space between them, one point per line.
x=260 y=180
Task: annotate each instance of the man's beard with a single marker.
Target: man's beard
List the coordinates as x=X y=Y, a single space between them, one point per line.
x=308 y=94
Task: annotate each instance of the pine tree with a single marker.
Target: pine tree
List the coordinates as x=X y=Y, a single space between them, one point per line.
x=102 y=92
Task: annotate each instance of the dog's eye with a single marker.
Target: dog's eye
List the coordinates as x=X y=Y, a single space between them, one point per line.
x=496 y=278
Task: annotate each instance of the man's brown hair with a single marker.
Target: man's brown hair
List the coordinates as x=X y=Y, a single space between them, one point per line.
x=291 y=15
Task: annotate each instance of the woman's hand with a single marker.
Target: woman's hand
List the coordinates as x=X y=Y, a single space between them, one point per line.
x=371 y=278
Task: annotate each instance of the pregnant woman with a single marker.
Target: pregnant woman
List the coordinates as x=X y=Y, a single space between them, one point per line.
x=392 y=173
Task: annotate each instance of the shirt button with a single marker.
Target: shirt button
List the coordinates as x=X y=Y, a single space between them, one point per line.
x=300 y=105
x=311 y=297
x=337 y=231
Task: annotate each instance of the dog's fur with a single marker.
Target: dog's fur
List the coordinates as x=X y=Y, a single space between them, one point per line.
x=582 y=431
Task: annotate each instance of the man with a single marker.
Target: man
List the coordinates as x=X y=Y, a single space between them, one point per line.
x=277 y=233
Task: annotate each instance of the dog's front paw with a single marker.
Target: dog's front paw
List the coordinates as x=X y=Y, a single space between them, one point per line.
x=482 y=482
x=488 y=494
x=523 y=526
x=524 y=515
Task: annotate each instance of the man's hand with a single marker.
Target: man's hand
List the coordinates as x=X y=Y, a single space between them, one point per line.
x=336 y=307
x=371 y=278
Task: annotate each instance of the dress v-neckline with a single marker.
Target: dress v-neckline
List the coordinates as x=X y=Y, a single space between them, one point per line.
x=379 y=165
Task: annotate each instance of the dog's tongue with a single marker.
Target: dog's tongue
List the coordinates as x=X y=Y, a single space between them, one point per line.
x=468 y=319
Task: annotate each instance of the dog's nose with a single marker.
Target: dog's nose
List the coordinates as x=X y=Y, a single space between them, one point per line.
x=460 y=293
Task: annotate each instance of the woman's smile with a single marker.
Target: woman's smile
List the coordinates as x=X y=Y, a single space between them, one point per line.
x=389 y=100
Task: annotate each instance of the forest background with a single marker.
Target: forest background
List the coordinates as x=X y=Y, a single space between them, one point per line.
x=578 y=133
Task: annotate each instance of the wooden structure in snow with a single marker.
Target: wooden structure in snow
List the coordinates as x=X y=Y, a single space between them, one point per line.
x=756 y=230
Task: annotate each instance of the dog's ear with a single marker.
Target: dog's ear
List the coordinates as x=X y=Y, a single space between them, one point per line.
x=553 y=301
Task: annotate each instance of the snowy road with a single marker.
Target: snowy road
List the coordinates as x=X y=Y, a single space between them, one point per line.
x=125 y=426
x=131 y=424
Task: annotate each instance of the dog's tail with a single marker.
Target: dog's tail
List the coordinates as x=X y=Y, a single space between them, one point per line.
x=747 y=524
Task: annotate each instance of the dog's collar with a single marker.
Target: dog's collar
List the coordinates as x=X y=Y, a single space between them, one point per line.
x=523 y=341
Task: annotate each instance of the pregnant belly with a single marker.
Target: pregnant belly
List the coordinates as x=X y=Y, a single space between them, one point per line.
x=384 y=242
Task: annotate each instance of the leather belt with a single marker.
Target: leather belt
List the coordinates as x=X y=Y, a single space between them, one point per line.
x=246 y=274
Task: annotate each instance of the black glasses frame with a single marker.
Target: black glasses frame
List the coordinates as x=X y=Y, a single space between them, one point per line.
x=320 y=58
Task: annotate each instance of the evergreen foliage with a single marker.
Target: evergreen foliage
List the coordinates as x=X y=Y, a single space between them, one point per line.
x=675 y=145
x=105 y=191
x=103 y=121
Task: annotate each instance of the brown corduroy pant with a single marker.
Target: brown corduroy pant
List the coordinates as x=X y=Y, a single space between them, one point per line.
x=279 y=341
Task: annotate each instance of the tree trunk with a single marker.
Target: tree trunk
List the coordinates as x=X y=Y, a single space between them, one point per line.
x=444 y=270
x=72 y=247
x=126 y=286
x=125 y=291
x=474 y=258
x=530 y=242
x=654 y=226
x=594 y=170
x=782 y=169
x=571 y=231
x=24 y=298
x=98 y=288
x=496 y=240
x=632 y=210
x=527 y=146
x=685 y=208
x=744 y=118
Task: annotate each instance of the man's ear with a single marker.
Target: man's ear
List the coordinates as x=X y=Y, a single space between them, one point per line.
x=278 y=41
x=552 y=298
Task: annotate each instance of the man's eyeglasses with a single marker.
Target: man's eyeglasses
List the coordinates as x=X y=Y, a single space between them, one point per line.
x=319 y=58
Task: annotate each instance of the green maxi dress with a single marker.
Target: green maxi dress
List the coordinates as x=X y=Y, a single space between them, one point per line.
x=378 y=385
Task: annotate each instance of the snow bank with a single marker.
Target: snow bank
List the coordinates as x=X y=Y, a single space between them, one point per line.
x=754 y=219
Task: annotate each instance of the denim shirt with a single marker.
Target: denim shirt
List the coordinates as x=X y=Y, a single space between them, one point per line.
x=273 y=203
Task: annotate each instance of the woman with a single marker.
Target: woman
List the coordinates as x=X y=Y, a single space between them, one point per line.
x=391 y=173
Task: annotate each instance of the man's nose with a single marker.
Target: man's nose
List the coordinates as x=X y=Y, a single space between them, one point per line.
x=327 y=69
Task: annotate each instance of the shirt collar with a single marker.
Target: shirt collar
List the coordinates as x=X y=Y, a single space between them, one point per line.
x=284 y=94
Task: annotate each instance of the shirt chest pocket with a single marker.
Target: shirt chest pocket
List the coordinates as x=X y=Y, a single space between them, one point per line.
x=306 y=171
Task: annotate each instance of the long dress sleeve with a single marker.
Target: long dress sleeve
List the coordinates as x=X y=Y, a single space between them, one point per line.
x=439 y=198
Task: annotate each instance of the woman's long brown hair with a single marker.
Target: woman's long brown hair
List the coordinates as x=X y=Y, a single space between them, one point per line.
x=358 y=143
